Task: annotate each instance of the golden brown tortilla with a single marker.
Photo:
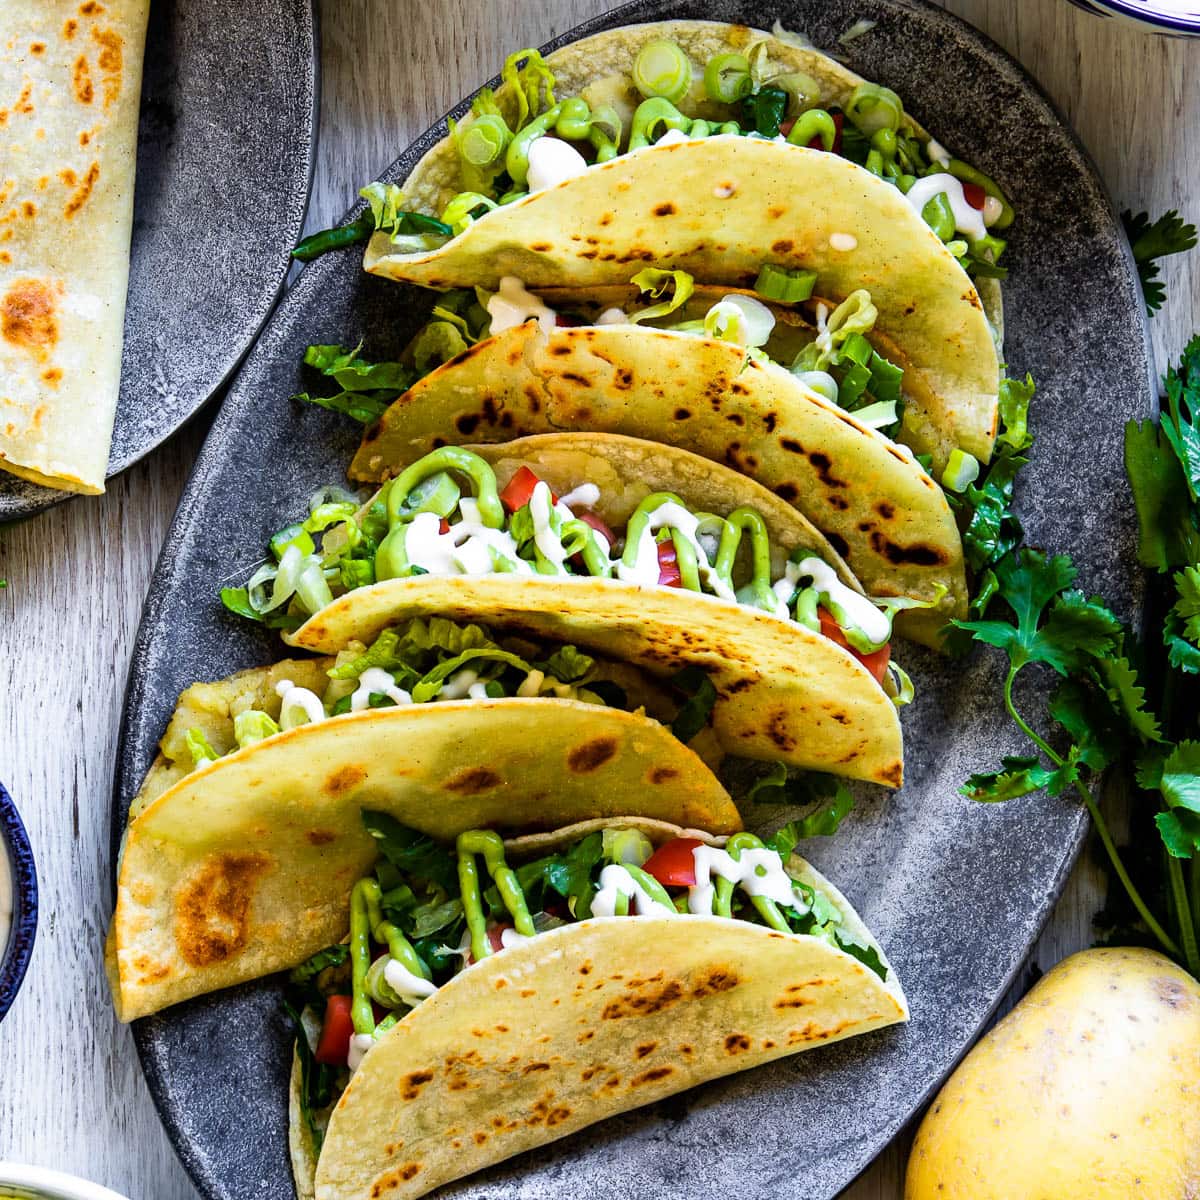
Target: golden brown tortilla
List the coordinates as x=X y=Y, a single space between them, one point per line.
x=583 y=1022
x=245 y=866
x=874 y=504
x=70 y=75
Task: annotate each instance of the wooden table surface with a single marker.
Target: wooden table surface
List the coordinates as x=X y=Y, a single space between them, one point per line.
x=71 y=1092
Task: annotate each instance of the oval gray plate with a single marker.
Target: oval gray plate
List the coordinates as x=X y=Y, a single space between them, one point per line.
x=956 y=892
x=226 y=143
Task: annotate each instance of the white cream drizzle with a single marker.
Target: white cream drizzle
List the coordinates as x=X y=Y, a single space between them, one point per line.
x=360 y=1043
x=514 y=304
x=412 y=989
x=613 y=316
x=553 y=161
x=299 y=707
x=872 y=622
x=758 y=872
x=645 y=569
x=616 y=881
x=968 y=220
x=509 y=938
x=465 y=549
x=375 y=681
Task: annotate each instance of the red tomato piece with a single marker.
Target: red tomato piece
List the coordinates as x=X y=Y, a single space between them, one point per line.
x=336 y=1031
x=565 y=322
x=668 y=565
x=444 y=527
x=974 y=195
x=672 y=864
x=785 y=127
x=876 y=662
x=520 y=488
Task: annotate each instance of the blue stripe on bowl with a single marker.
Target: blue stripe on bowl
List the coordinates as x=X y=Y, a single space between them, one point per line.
x=14 y=957
x=1184 y=24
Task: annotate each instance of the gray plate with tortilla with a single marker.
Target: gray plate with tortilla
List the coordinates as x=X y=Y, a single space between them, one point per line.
x=226 y=145
x=957 y=892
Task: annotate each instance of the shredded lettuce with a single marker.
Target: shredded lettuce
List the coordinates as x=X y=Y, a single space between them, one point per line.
x=676 y=286
x=252 y=726
x=199 y=748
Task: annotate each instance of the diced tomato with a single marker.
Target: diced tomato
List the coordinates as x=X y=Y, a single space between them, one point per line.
x=496 y=937
x=520 y=488
x=672 y=864
x=876 y=662
x=974 y=195
x=668 y=565
x=599 y=526
x=564 y=322
x=444 y=527
x=816 y=144
x=785 y=126
x=336 y=1031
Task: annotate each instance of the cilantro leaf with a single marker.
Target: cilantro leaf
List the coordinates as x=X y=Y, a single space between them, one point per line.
x=1073 y=631
x=412 y=852
x=1087 y=716
x=1167 y=533
x=1150 y=242
x=1177 y=423
x=1128 y=696
x=831 y=796
x=694 y=712
x=1180 y=831
x=1180 y=784
x=1018 y=776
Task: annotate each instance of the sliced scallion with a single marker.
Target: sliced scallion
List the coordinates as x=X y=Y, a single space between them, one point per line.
x=787 y=285
x=727 y=78
x=962 y=469
x=662 y=69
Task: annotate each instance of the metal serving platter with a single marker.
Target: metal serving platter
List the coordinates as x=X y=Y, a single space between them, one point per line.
x=956 y=892
x=226 y=145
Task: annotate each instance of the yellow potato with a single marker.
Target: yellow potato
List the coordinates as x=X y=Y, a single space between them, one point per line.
x=1088 y=1090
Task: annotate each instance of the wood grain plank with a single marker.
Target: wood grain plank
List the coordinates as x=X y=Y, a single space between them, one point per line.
x=71 y=1093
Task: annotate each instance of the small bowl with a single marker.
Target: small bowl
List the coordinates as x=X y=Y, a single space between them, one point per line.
x=1177 y=18
x=38 y=1183
x=18 y=893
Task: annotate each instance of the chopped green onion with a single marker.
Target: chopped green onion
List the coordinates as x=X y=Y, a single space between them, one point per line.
x=880 y=415
x=293 y=535
x=626 y=846
x=962 y=469
x=463 y=210
x=727 y=78
x=484 y=141
x=438 y=494
x=820 y=382
x=787 y=285
x=939 y=216
x=662 y=69
x=872 y=108
x=740 y=319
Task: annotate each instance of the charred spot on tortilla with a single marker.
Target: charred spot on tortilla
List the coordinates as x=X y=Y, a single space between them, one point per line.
x=919 y=554
x=472 y=781
x=736 y=418
x=885 y=509
x=783 y=246
x=29 y=315
x=212 y=909
x=343 y=779
x=591 y=755
x=321 y=837
x=841 y=504
x=541 y=247
x=823 y=465
x=788 y=492
x=718 y=980
x=651 y=1076
x=634 y=1005
x=83 y=192
x=661 y=775
x=413 y=1082
x=664 y=210
x=81 y=81
x=735 y=1043
x=683 y=414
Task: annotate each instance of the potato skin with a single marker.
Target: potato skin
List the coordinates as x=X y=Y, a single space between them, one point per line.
x=1088 y=1090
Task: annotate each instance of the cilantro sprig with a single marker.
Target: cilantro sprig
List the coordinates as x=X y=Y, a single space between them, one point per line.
x=1118 y=701
x=1150 y=241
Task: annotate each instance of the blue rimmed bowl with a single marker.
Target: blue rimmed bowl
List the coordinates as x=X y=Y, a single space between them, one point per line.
x=1177 y=18
x=18 y=901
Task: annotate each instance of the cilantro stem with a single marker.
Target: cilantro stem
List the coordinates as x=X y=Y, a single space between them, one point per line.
x=1164 y=939
x=1183 y=911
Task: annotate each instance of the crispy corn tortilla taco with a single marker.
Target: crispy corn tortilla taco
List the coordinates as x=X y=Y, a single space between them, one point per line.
x=874 y=503
x=246 y=828
x=684 y=986
x=644 y=552
x=716 y=150
x=70 y=78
